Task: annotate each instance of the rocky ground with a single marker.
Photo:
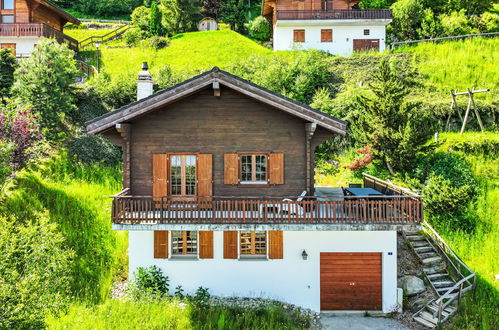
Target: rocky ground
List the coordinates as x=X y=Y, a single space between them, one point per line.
x=409 y=266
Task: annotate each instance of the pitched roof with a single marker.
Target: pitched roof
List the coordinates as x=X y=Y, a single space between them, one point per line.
x=61 y=12
x=190 y=86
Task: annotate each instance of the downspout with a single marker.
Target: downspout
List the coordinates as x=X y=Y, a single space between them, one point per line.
x=309 y=133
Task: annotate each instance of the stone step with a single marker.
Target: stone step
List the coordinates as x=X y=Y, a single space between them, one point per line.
x=424 y=322
x=447 y=311
x=435 y=269
x=415 y=238
x=420 y=244
x=429 y=317
x=423 y=249
x=432 y=260
x=427 y=255
x=443 y=290
x=438 y=275
x=442 y=284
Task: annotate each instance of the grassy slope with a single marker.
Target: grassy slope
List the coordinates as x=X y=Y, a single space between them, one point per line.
x=81 y=34
x=194 y=51
x=76 y=199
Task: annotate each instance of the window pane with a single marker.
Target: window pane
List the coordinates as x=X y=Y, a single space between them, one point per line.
x=246 y=168
x=190 y=175
x=261 y=168
x=177 y=244
x=192 y=242
x=8 y=19
x=246 y=242
x=260 y=242
x=8 y=4
x=176 y=175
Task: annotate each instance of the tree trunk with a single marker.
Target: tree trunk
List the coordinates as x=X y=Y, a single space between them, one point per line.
x=390 y=169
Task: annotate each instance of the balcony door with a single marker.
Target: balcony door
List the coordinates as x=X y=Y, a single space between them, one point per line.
x=183 y=177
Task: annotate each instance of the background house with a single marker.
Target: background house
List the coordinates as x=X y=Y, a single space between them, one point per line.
x=24 y=22
x=332 y=26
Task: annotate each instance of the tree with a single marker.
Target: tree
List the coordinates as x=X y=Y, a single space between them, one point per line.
x=395 y=130
x=8 y=65
x=155 y=26
x=182 y=15
x=407 y=16
x=259 y=28
x=211 y=8
x=43 y=83
x=233 y=12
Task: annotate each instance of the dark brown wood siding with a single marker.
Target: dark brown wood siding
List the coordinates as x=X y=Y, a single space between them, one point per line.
x=231 y=123
x=351 y=281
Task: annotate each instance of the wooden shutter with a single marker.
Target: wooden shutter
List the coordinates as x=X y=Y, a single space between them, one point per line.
x=299 y=35
x=205 y=176
x=161 y=244
x=159 y=175
x=231 y=166
x=326 y=35
x=275 y=244
x=230 y=244
x=276 y=165
x=206 y=244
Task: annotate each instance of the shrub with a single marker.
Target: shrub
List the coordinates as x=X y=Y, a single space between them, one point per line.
x=456 y=23
x=201 y=297
x=166 y=77
x=8 y=65
x=134 y=35
x=35 y=270
x=140 y=17
x=93 y=149
x=149 y=281
x=158 y=42
x=259 y=28
x=116 y=92
x=89 y=106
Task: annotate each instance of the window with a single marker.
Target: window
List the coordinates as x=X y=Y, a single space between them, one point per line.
x=326 y=35
x=367 y=32
x=253 y=243
x=8 y=4
x=183 y=175
x=299 y=35
x=7 y=19
x=184 y=242
x=254 y=169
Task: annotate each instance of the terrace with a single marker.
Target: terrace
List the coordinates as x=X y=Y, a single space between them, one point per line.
x=388 y=205
x=334 y=14
x=36 y=30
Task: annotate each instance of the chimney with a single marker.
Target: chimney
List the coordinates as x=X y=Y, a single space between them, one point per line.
x=144 y=83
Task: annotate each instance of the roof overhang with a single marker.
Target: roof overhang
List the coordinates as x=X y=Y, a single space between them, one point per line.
x=62 y=13
x=197 y=83
x=333 y=22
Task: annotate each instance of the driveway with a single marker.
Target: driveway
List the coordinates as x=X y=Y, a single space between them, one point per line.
x=360 y=323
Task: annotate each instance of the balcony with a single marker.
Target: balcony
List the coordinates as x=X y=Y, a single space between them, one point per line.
x=334 y=14
x=36 y=30
x=392 y=206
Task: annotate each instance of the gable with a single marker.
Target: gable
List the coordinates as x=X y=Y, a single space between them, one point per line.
x=215 y=77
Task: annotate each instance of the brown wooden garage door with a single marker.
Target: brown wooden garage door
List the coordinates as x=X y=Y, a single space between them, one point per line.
x=365 y=44
x=351 y=281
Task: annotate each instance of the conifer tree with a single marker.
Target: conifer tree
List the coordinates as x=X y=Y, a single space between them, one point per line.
x=155 y=26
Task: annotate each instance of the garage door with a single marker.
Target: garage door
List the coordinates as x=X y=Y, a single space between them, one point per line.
x=351 y=281
x=365 y=44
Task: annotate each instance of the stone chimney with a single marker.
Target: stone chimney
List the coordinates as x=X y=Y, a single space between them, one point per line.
x=144 y=83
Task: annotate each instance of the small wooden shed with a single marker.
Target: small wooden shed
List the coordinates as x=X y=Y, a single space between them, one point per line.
x=208 y=24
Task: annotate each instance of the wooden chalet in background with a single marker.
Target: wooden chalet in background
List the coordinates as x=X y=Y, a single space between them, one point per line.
x=219 y=192
x=24 y=22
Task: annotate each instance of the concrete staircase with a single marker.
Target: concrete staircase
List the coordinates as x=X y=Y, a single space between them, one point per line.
x=447 y=274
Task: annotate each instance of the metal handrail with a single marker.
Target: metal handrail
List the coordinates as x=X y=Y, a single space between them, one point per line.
x=103 y=38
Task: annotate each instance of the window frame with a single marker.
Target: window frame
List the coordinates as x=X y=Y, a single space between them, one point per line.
x=10 y=15
x=331 y=39
x=367 y=32
x=184 y=244
x=169 y=175
x=253 y=183
x=294 y=35
x=252 y=242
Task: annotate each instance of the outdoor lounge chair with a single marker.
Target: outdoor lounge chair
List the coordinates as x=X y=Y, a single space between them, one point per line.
x=293 y=209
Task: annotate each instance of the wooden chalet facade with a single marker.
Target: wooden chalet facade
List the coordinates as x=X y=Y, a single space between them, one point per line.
x=334 y=26
x=24 y=22
x=218 y=170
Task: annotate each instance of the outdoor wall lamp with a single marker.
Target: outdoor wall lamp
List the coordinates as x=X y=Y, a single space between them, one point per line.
x=304 y=255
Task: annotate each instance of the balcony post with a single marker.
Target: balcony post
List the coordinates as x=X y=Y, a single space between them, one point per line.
x=125 y=131
x=309 y=133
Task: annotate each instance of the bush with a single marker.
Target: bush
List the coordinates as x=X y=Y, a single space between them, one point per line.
x=149 y=281
x=259 y=28
x=166 y=77
x=116 y=92
x=35 y=270
x=158 y=42
x=93 y=149
x=456 y=23
x=140 y=17
x=134 y=35
x=89 y=106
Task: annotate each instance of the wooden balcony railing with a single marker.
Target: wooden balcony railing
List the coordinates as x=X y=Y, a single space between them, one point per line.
x=333 y=14
x=237 y=210
x=36 y=30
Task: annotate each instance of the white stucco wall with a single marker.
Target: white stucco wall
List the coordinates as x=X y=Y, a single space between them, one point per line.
x=24 y=45
x=291 y=279
x=343 y=35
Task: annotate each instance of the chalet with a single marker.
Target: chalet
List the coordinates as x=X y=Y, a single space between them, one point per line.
x=24 y=22
x=334 y=26
x=219 y=192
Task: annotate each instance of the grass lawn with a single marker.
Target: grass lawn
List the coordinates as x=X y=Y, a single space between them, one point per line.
x=81 y=34
x=193 y=51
